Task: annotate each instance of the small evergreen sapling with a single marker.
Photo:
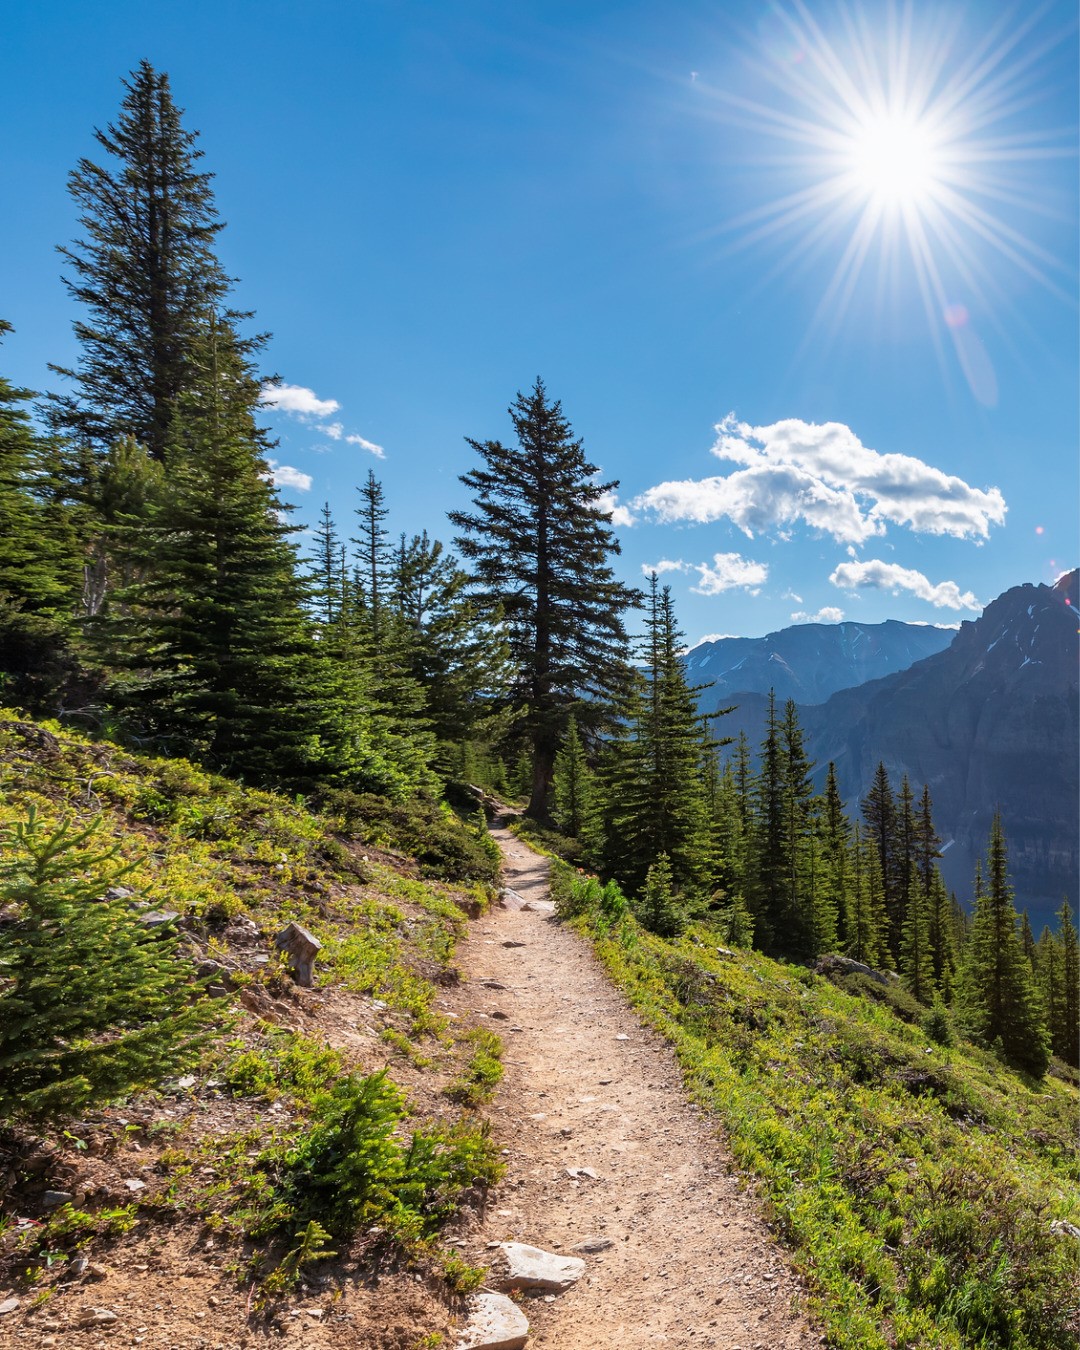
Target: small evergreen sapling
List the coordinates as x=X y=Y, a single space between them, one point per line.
x=93 y=1005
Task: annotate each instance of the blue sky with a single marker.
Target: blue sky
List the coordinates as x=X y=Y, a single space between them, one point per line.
x=847 y=237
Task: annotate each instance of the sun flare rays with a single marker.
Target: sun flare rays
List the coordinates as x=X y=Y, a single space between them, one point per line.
x=915 y=146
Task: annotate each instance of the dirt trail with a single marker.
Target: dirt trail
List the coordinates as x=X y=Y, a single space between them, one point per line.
x=587 y=1086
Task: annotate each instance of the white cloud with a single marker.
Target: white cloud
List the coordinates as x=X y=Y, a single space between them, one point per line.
x=305 y=404
x=712 y=637
x=284 y=475
x=294 y=398
x=621 y=516
x=826 y=614
x=728 y=572
x=369 y=446
x=882 y=576
x=824 y=477
x=664 y=565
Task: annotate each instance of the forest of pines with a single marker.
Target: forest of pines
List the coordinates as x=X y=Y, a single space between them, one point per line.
x=152 y=591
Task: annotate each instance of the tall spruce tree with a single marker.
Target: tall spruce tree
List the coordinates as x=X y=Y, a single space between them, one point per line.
x=769 y=877
x=40 y=571
x=144 y=273
x=219 y=657
x=997 y=999
x=373 y=551
x=539 y=540
x=659 y=806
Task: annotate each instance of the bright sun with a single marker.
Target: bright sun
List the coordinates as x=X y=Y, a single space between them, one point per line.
x=893 y=160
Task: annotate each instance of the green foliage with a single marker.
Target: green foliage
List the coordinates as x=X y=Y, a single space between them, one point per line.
x=915 y=1184
x=445 y=846
x=289 y=1062
x=539 y=542
x=656 y=906
x=145 y=273
x=997 y=998
x=482 y=1074
x=350 y=1168
x=92 y=1004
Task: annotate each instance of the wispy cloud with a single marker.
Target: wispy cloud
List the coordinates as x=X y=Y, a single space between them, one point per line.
x=883 y=576
x=822 y=476
x=284 y=475
x=727 y=572
x=665 y=565
x=298 y=401
x=826 y=614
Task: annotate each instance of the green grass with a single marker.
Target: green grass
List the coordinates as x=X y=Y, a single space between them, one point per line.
x=915 y=1184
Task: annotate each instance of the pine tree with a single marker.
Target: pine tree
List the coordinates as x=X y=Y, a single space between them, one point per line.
x=769 y=874
x=879 y=813
x=328 y=579
x=373 y=551
x=39 y=559
x=905 y=858
x=456 y=657
x=835 y=831
x=798 y=917
x=997 y=999
x=218 y=648
x=573 y=786
x=1068 y=1038
x=657 y=906
x=660 y=805
x=866 y=921
x=916 y=950
x=540 y=540
x=132 y=1022
x=927 y=844
x=943 y=942
x=145 y=274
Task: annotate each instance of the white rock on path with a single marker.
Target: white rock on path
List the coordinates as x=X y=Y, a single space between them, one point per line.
x=495 y=1323
x=533 y=1268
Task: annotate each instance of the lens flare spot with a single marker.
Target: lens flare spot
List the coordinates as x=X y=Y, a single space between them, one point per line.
x=956 y=316
x=1039 y=529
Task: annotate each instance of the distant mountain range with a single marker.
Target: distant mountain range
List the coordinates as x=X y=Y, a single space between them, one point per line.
x=988 y=718
x=811 y=661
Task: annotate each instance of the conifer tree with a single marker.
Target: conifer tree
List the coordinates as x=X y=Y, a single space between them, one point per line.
x=457 y=658
x=835 y=831
x=657 y=906
x=927 y=843
x=218 y=649
x=39 y=559
x=328 y=577
x=660 y=807
x=798 y=917
x=131 y=1023
x=879 y=813
x=866 y=919
x=769 y=875
x=145 y=274
x=916 y=950
x=539 y=540
x=573 y=786
x=373 y=551
x=997 y=999
x=943 y=944
x=1068 y=1032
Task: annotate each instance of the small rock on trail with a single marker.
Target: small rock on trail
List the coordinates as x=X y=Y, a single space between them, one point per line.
x=495 y=1323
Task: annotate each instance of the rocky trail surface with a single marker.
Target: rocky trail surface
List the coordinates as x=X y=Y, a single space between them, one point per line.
x=607 y=1160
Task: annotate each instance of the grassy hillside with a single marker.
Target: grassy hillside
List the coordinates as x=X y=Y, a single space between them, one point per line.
x=924 y=1189
x=326 y=1135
